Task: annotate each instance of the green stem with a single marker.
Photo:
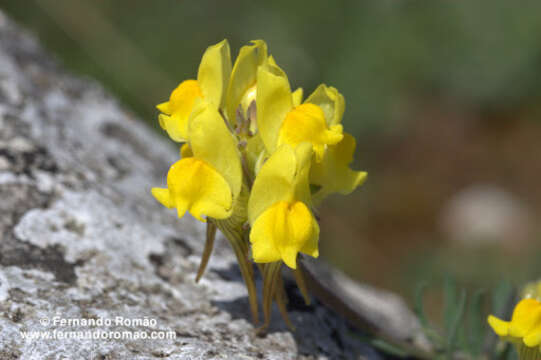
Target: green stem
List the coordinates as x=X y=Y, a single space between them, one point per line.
x=270 y=273
x=241 y=251
x=281 y=300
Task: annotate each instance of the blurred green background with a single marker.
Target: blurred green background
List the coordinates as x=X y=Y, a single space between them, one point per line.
x=444 y=99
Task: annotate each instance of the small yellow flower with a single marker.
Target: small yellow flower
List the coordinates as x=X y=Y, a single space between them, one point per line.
x=194 y=185
x=278 y=208
x=205 y=181
x=211 y=83
x=306 y=122
x=281 y=120
x=524 y=329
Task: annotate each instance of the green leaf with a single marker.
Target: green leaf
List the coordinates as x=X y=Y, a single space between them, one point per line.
x=454 y=325
x=476 y=323
x=450 y=299
x=419 y=304
x=389 y=348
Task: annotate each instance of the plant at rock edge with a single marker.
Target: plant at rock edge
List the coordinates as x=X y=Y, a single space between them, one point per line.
x=255 y=162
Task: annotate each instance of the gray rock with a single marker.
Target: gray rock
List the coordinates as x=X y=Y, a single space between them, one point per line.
x=81 y=237
x=381 y=313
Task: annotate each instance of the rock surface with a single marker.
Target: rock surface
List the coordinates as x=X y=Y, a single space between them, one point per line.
x=81 y=237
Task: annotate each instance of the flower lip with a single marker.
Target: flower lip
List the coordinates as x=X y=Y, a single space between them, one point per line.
x=177 y=110
x=284 y=230
x=212 y=79
x=306 y=123
x=524 y=329
x=196 y=187
x=183 y=97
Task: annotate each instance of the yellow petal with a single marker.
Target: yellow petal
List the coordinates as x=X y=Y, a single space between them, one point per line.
x=164 y=108
x=243 y=75
x=301 y=184
x=248 y=97
x=526 y=318
x=533 y=339
x=214 y=73
x=211 y=141
x=333 y=173
x=271 y=61
x=175 y=125
x=306 y=123
x=162 y=195
x=264 y=249
x=283 y=177
x=183 y=97
x=303 y=234
x=274 y=101
x=274 y=182
x=331 y=102
x=196 y=187
x=311 y=246
x=282 y=231
x=297 y=97
x=254 y=149
x=500 y=327
x=179 y=108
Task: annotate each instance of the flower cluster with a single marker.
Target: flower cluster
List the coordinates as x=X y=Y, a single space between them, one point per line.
x=255 y=161
x=524 y=329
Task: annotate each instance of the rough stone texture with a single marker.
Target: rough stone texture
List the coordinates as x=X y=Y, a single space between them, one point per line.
x=81 y=237
x=379 y=312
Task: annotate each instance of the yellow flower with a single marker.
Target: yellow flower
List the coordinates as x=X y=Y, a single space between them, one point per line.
x=211 y=83
x=524 y=329
x=278 y=208
x=205 y=181
x=282 y=120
